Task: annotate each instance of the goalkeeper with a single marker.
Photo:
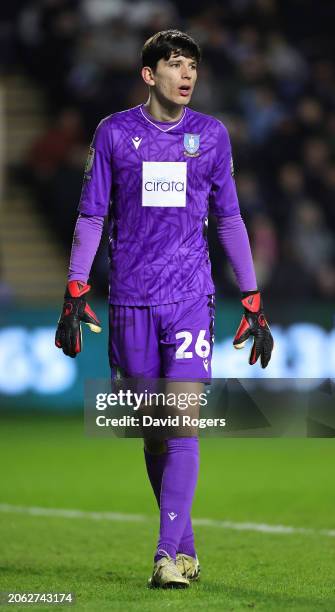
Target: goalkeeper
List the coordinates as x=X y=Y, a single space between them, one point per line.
x=157 y=171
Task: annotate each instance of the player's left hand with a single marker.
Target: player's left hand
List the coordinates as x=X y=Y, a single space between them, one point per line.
x=254 y=324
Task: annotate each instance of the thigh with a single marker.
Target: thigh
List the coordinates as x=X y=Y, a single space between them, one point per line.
x=187 y=336
x=178 y=414
x=133 y=342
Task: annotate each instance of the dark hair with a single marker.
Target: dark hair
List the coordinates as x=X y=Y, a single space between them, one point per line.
x=166 y=43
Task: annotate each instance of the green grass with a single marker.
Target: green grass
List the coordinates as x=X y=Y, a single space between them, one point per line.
x=48 y=462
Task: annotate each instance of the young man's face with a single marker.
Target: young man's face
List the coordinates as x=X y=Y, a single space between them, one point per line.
x=174 y=79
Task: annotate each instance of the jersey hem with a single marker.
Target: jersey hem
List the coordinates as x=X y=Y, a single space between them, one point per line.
x=172 y=300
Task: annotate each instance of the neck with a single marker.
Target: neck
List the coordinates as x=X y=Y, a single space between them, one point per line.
x=163 y=112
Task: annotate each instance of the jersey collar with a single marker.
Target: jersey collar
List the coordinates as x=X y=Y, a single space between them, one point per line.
x=156 y=125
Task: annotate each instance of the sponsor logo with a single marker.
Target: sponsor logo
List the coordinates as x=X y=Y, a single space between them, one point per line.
x=136 y=142
x=161 y=184
x=191 y=144
x=164 y=184
x=90 y=160
x=172 y=515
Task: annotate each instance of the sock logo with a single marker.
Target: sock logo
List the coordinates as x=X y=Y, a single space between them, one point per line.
x=172 y=515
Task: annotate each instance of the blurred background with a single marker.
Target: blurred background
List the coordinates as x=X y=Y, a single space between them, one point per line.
x=267 y=73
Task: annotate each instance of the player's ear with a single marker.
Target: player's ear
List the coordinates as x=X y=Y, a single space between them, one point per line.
x=148 y=75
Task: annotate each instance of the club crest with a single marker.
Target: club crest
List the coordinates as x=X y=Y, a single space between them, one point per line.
x=191 y=144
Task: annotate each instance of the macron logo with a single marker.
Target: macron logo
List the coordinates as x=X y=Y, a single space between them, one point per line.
x=172 y=515
x=136 y=142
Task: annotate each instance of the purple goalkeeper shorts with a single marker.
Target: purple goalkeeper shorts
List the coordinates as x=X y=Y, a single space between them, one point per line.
x=167 y=341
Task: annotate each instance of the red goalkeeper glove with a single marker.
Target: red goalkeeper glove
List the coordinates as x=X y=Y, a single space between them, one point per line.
x=75 y=311
x=254 y=324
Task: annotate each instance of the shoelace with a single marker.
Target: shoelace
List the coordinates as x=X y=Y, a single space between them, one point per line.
x=186 y=565
x=172 y=566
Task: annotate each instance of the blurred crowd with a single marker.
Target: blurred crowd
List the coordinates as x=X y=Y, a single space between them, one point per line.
x=267 y=72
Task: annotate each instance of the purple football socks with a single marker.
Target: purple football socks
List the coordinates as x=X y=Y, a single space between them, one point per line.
x=173 y=476
x=155 y=468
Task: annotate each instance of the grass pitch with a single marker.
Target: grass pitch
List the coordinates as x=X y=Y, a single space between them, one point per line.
x=47 y=462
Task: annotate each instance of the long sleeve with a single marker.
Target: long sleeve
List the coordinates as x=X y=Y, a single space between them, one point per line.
x=97 y=183
x=223 y=201
x=234 y=238
x=86 y=239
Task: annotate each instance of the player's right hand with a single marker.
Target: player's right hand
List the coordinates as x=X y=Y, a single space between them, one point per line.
x=75 y=311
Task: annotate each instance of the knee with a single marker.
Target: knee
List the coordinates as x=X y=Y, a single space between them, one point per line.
x=189 y=444
x=155 y=447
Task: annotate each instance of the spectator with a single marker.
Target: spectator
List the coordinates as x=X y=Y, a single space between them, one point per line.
x=50 y=149
x=291 y=191
x=312 y=241
x=265 y=248
x=266 y=73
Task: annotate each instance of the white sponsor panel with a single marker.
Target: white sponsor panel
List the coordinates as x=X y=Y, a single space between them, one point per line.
x=164 y=184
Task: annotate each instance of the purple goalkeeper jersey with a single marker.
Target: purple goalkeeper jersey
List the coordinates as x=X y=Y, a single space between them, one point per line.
x=158 y=182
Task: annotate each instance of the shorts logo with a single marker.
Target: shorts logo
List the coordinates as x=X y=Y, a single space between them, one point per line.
x=90 y=160
x=172 y=515
x=164 y=184
x=191 y=144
